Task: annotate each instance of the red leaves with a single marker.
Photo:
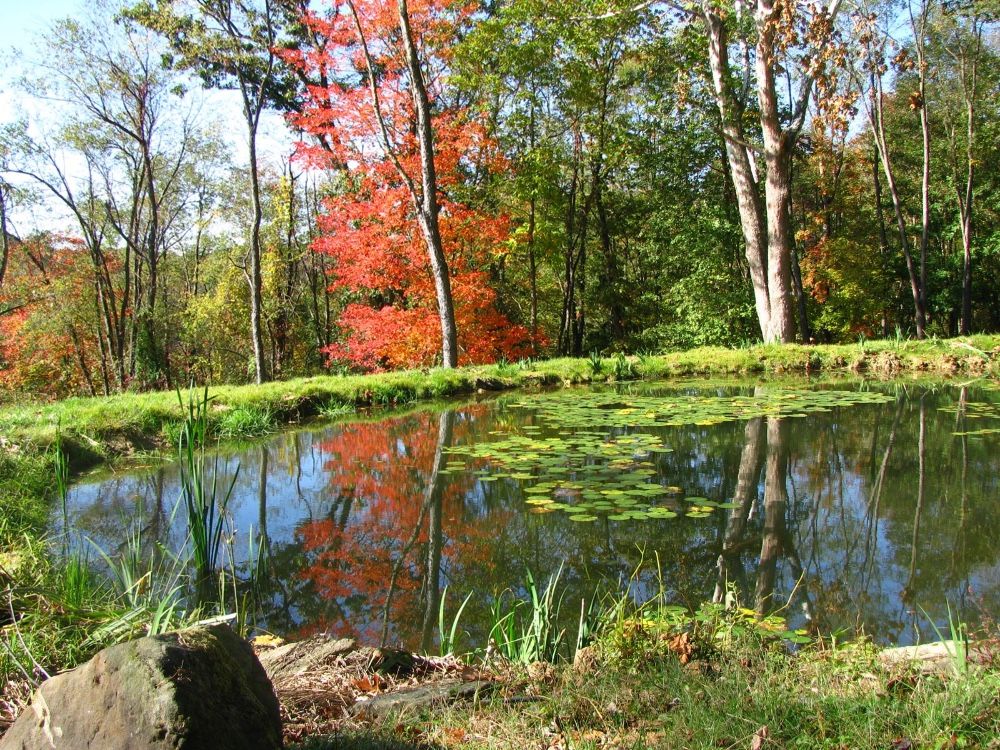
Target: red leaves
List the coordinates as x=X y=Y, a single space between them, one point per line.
x=42 y=340
x=371 y=229
x=381 y=529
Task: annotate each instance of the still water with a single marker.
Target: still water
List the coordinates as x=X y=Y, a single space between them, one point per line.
x=849 y=507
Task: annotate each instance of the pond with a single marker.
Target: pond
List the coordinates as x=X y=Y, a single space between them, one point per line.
x=846 y=507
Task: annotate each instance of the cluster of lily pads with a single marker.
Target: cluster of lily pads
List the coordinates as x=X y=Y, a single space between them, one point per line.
x=591 y=409
x=585 y=473
x=977 y=410
x=589 y=468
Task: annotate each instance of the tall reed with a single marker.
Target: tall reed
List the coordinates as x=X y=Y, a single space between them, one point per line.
x=60 y=461
x=526 y=631
x=205 y=506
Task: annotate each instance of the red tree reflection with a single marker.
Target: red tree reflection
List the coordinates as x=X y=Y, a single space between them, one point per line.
x=397 y=525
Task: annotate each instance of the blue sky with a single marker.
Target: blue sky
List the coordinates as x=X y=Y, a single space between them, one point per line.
x=20 y=20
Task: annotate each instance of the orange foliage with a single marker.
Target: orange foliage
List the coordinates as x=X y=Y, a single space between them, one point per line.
x=41 y=339
x=370 y=229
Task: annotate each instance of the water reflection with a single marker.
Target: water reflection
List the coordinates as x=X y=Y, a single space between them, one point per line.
x=853 y=519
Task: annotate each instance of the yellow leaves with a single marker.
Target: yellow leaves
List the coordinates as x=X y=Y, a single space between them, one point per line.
x=266 y=641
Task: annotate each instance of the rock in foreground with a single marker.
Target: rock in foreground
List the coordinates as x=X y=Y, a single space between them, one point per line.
x=200 y=688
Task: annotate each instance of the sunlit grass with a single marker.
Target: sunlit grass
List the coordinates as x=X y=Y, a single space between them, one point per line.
x=657 y=676
x=149 y=421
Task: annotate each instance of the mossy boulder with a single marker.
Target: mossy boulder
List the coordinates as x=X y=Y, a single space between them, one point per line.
x=197 y=688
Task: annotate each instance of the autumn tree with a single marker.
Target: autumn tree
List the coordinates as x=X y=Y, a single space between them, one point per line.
x=47 y=318
x=120 y=118
x=405 y=238
x=796 y=38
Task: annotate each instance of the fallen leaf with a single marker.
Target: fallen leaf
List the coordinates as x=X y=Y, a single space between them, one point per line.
x=759 y=738
x=369 y=684
x=267 y=641
x=681 y=646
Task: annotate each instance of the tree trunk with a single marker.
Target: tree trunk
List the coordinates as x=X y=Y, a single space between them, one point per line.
x=777 y=185
x=919 y=26
x=744 y=497
x=741 y=166
x=883 y=239
x=805 y=330
x=533 y=275
x=155 y=361
x=775 y=502
x=4 y=238
x=252 y=269
x=532 y=266
x=878 y=129
x=428 y=213
x=969 y=68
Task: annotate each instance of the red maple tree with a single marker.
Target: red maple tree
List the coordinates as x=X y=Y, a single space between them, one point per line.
x=368 y=131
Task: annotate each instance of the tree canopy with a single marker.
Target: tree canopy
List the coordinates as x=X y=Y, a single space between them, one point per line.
x=457 y=181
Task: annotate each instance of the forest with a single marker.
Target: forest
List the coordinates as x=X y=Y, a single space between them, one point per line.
x=610 y=373
x=236 y=191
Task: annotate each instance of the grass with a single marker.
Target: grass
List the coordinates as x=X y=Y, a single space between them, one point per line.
x=673 y=682
x=98 y=429
x=659 y=676
x=205 y=506
x=530 y=630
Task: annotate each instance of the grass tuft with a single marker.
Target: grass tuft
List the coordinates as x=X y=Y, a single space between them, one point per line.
x=247 y=421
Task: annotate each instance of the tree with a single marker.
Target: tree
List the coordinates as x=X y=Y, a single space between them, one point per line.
x=961 y=40
x=230 y=44
x=391 y=85
x=788 y=36
x=115 y=119
x=408 y=153
x=46 y=314
x=876 y=44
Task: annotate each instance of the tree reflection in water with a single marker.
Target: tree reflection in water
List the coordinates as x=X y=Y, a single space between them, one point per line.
x=854 y=519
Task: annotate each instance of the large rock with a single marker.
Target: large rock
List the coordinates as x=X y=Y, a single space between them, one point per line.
x=192 y=689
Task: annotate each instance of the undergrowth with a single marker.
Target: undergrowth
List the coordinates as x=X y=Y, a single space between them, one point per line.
x=701 y=680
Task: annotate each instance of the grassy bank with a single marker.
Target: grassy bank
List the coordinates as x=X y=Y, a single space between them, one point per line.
x=742 y=695
x=97 y=429
x=708 y=679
